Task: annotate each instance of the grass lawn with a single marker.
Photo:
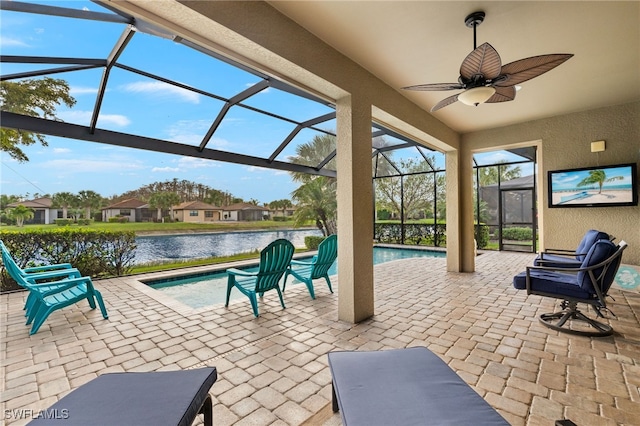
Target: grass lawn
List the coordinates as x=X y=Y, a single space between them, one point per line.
x=143 y=228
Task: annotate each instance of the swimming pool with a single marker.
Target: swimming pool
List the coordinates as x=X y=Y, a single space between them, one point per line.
x=209 y=288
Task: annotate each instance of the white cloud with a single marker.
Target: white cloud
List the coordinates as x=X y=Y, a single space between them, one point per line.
x=87 y=165
x=79 y=90
x=188 y=163
x=61 y=150
x=159 y=88
x=84 y=117
x=165 y=169
x=12 y=42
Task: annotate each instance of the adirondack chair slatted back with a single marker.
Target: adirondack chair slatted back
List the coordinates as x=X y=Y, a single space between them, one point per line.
x=274 y=261
x=327 y=253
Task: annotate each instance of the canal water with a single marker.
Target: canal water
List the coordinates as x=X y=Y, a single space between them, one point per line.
x=193 y=246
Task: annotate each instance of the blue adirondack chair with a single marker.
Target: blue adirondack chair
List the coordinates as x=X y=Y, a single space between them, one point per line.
x=68 y=292
x=274 y=261
x=32 y=278
x=318 y=267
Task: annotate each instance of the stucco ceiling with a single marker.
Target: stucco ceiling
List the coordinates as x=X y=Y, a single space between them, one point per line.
x=407 y=43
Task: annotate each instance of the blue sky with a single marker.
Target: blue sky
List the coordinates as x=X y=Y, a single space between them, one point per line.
x=143 y=106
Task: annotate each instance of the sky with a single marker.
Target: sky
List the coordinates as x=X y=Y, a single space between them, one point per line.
x=143 y=106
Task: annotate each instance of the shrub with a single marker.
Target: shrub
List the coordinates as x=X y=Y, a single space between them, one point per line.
x=93 y=253
x=64 y=222
x=312 y=242
x=517 y=234
x=280 y=218
x=482 y=235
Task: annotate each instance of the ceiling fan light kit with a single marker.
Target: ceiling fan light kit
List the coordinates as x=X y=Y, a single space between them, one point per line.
x=483 y=78
x=477 y=95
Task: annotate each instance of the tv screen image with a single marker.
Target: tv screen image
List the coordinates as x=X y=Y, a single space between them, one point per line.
x=601 y=186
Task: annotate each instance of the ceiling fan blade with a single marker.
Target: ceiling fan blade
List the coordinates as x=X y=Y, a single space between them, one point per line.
x=443 y=103
x=435 y=86
x=503 y=94
x=483 y=60
x=525 y=69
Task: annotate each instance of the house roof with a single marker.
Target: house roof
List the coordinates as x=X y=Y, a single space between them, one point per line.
x=195 y=205
x=38 y=203
x=131 y=203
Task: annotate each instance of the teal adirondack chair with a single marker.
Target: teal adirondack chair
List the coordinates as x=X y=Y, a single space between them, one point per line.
x=32 y=278
x=68 y=292
x=318 y=267
x=274 y=261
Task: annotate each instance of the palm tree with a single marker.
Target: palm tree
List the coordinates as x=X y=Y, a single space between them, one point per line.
x=313 y=153
x=163 y=200
x=64 y=200
x=316 y=200
x=89 y=200
x=599 y=177
x=20 y=214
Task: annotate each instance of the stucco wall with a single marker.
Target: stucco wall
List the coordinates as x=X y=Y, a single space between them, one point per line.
x=566 y=143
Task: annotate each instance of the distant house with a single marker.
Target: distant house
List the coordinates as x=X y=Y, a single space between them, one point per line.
x=132 y=209
x=244 y=212
x=288 y=212
x=42 y=209
x=196 y=211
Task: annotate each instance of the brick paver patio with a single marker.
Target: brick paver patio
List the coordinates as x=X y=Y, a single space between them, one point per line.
x=273 y=370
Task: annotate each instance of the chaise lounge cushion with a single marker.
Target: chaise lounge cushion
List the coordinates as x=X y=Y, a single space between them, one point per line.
x=153 y=398
x=411 y=386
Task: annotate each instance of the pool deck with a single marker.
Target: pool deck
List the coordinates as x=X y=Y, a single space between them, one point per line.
x=273 y=370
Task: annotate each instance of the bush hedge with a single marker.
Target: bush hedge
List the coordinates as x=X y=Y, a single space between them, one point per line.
x=312 y=242
x=482 y=235
x=517 y=234
x=94 y=253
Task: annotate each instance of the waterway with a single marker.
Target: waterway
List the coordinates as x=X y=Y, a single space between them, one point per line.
x=194 y=246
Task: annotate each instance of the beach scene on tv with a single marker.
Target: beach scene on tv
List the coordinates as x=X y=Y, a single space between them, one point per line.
x=594 y=186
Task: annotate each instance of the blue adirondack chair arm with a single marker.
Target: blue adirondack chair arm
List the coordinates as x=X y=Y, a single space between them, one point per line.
x=302 y=262
x=46 y=268
x=235 y=271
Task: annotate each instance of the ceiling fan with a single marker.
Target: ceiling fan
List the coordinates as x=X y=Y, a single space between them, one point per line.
x=484 y=78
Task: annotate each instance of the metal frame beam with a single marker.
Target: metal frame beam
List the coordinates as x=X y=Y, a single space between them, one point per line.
x=299 y=127
x=42 y=9
x=83 y=133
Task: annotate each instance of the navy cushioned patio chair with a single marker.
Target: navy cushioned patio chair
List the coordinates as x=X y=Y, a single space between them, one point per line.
x=151 y=398
x=570 y=258
x=274 y=261
x=590 y=284
x=318 y=267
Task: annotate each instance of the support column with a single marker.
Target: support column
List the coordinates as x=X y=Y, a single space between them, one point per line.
x=460 y=229
x=355 y=219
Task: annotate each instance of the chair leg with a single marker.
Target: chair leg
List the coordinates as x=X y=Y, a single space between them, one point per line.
x=309 y=284
x=286 y=275
x=229 y=287
x=326 y=277
x=43 y=313
x=557 y=321
x=103 y=309
x=254 y=304
x=281 y=298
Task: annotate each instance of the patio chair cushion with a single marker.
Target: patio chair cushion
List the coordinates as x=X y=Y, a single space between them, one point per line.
x=551 y=282
x=555 y=260
x=600 y=251
x=150 y=398
x=411 y=386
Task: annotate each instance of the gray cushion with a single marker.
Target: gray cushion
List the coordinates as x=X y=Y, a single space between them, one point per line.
x=405 y=387
x=154 y=399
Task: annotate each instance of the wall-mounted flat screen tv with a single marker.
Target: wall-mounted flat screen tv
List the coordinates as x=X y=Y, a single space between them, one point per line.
x=602 y=186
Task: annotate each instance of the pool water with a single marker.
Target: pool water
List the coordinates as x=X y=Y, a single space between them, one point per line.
x=206 y=289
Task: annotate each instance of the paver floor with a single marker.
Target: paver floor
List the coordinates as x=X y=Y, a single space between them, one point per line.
x=273 y=370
